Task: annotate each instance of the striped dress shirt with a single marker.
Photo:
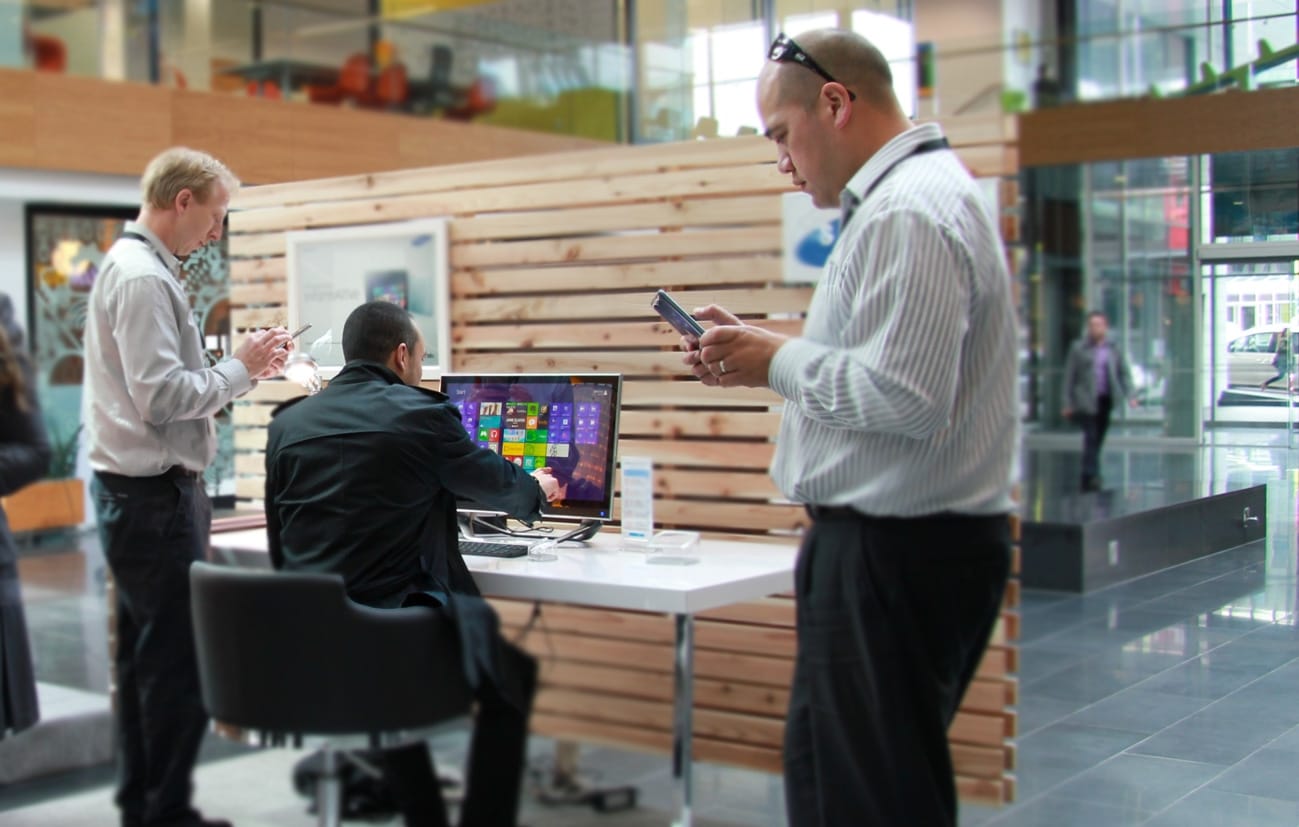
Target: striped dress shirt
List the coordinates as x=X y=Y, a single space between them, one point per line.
x=901 y=394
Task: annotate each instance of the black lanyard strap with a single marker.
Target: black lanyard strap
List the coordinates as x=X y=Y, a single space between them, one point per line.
x=932 y=145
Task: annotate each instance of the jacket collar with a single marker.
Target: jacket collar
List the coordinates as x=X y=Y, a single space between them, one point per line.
x=361 y=371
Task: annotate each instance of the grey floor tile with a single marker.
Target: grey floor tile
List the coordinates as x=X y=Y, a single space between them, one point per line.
x=1138 y=710
x=1056 y=811
x=1268 y=773
x=1201 y=679
x=1085 y=682
x=1214 y=736
x=1217 y=808
x=1037 y=711
x=1139 y=782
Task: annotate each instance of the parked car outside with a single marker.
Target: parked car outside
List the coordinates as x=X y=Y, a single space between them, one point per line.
x=1250 y=355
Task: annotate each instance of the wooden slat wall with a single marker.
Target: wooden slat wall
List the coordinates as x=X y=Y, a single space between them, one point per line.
x=553 y=261
x=117 y=127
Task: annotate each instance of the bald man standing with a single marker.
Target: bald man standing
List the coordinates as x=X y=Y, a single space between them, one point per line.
x=899 y=434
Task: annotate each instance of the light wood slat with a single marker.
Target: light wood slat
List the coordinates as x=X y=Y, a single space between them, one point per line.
x=1012 y=594
x=605 y=707
x=745 y=485
x=692 y=394
x=624 y=653
x=987 y=791
x=743 y=269
x=989 y=161
x=776 y=672
x=248 y=270
x=737 y=637
x=255 y=229
x=251 y=489
x=632 y=363
x=986 y=695
x=996 y=663
x=259 y=293
x=250 y=464
x=769 y=611
x=648 y=686
x=970 y=130
x=258 y=244
x=612 y=334
x=985 y=729
x=712 y=516
x=559 y=166
x=676 y=424
x=250 y=439
x=626 y=305
x=695 y=212
x=271 y=390
x=621 y=247
x=741 y=697
x=673 y=452
x=738 y=727
x=252 y=416
x=974 y=761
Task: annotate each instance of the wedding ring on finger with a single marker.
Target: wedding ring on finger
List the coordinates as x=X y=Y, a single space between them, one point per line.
x=721 y=363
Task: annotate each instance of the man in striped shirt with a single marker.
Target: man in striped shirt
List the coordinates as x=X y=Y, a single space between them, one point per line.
x=899 y=433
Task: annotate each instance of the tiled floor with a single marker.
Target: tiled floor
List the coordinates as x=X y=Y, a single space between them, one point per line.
x=1169 y=700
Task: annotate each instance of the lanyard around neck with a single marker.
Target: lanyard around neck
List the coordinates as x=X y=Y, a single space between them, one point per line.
x=932 y=145
x=139 y=237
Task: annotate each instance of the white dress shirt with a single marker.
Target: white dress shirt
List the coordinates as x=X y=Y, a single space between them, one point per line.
x=150 y=396
x=901 y=394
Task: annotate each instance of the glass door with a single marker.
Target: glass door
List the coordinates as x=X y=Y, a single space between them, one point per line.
x=1251 y=331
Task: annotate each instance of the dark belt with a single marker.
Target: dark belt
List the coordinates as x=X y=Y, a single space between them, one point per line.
x=175 y=472
x=834 y=512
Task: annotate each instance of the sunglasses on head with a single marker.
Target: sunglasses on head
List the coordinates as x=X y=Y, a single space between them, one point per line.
x=784 y=49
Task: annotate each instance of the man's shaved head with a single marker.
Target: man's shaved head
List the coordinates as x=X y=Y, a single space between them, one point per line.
x=850 y=58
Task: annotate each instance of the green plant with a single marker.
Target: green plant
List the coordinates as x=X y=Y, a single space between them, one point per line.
x=63 y=450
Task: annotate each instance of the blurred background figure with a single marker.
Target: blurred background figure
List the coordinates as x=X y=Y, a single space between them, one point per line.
x=24 y=458
x=1096 y=375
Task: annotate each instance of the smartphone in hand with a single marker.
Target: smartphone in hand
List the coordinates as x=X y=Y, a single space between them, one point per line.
x=675 y=315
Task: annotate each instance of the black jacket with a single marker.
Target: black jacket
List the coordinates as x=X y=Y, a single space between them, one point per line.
x=361 y=479
x=24 y=446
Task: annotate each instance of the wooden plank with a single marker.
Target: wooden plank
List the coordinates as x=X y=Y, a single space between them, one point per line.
x=695 y=212
x=986 y=791
x=131 y=123
x=708 y=183
x=986 y=729
x=555 y=166
x=769 y=611
x=548 y=336
x=728 y=485
x=973 y=761
x=1158 y=127
x=985 y=695
x=18 y=114
x=256 y=270
x=706 y=454
x=689 y=393
x=635 y=305
x=741 y=269
x=677 y=424
x=763 y=238
x=629 y=363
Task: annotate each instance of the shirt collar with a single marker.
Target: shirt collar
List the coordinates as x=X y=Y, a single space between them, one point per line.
x=882 y=161
x=167 y=257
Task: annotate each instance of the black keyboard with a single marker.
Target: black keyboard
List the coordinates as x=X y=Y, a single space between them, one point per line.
x=480 y=548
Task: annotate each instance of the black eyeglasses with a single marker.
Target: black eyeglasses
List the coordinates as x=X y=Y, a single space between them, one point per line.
x=783 y=48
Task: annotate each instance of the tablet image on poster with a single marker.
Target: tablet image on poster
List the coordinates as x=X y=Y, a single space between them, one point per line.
x=332 y=271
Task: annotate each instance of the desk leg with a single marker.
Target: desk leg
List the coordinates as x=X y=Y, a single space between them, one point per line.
x=682 y=724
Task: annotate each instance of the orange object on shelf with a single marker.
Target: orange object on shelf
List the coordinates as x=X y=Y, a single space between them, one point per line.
x=49 y=54
x=392 y=86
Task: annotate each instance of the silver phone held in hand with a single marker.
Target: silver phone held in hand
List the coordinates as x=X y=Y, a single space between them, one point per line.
x=675 y=315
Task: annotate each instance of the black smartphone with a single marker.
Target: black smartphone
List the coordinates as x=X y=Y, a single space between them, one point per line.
x=675 y=315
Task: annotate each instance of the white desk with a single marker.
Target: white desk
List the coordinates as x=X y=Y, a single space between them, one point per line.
x=601 y=574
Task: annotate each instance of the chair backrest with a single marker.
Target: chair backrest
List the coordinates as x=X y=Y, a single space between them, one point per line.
x=392 y=86
x=290 y=653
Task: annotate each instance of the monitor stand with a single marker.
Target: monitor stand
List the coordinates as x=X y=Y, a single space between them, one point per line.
x=480 y=526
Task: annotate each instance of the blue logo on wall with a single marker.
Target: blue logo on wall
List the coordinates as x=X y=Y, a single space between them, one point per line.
x=814 y=248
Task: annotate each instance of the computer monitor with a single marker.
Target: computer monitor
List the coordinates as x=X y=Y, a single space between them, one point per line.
x=565 y=422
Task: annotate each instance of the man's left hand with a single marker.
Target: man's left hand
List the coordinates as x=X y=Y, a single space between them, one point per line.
x=736 y=356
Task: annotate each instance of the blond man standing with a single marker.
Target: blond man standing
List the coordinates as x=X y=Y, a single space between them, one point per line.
x=149 y=406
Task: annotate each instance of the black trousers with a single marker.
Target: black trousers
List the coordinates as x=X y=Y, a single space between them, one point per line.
x=151 y=530
x=893 y=617
x=1094 y=427
x=497 y=757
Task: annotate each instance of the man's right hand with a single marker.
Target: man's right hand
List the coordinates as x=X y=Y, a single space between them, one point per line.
x=693 y=358
x=550 y=486
x=264 y=352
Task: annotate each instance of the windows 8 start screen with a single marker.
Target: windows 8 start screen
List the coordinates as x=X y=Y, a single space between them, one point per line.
x=529 y=433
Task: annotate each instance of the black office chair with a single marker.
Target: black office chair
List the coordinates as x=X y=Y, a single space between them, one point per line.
x=289 y=654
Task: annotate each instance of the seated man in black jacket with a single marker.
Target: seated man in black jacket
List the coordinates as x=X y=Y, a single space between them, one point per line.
x=361 y=480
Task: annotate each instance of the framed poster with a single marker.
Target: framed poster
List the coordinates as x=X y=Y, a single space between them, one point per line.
x=332 y=271
x=66 y=245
